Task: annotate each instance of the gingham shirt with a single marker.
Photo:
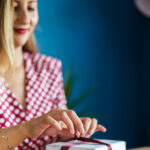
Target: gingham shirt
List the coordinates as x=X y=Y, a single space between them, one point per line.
x=44 y=92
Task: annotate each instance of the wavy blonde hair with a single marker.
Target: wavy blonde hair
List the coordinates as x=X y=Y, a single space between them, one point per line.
x=7 y=51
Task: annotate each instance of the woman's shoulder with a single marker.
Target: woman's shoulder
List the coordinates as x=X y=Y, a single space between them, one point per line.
x=42 y=61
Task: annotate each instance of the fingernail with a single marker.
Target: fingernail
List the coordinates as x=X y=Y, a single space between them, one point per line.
x=72 y=131
x=78 y=134
x=105 y=129
x=82 y=132
x=88 y=135
x=60 y=127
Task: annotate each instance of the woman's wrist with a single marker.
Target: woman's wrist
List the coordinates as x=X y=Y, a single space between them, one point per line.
x=5 y=137
x=23 y=129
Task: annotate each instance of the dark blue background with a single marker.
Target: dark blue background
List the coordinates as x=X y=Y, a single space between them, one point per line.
x=109 y=44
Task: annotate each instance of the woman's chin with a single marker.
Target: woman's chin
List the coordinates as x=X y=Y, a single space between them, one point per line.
x=20 y=39
x=20 y=43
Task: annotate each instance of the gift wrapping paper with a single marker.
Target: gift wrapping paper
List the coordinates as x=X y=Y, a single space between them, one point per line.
x=83 y=145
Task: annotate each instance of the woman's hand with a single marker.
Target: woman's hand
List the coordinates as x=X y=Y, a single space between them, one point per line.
x=64 y=123
x=91 y=126
x=69 y=120
x=38 y=126
x=48 y=124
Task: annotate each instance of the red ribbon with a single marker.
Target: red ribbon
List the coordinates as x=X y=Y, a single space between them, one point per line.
x=66 y=147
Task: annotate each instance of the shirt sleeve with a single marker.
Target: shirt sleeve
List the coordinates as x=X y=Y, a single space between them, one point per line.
x=1 y=110
x=60 y=98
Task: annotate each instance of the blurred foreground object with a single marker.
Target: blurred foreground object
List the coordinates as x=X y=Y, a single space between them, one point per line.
x=143 y=6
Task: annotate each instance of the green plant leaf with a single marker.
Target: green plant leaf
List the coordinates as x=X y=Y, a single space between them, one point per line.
x=82 y=97
x=69 y=83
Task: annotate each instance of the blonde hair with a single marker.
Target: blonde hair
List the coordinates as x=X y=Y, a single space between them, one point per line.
x=7 y=51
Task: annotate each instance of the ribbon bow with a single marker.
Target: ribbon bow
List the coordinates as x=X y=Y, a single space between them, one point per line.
x=66 y=147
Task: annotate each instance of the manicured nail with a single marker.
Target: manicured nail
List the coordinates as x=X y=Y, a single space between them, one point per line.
x=105 y=129
x=72 y=131
x=78 y=134
x=58 y=125
x=88 y=135
x=82 y=131
x=102 y=128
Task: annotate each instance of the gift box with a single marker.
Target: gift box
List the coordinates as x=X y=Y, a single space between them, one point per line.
x=88 y=144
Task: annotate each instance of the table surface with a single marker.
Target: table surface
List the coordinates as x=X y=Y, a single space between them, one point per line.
x=141 y=148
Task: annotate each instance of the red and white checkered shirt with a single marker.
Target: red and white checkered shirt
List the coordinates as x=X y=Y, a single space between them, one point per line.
x=44 y=92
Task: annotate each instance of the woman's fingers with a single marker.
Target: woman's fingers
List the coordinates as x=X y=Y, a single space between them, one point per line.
x=92 y=127
x=39 y=125
x=66 y=119
x=76 y=121
x=86 y=123
x=100 y=128
x=64 y=135
x=50 y=131
x=49 y=120
x=62 y=124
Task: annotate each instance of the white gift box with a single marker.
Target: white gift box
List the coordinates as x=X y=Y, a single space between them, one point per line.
x=79 y=145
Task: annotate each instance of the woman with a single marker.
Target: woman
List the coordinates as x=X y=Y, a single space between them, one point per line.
x=33 y=108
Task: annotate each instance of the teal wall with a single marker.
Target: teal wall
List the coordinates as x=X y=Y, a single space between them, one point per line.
x=108 y=43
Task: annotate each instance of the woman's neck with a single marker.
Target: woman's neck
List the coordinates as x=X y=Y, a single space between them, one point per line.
x=19 y=57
